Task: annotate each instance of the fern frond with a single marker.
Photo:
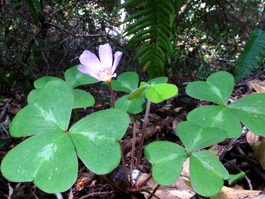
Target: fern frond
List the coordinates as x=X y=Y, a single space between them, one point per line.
x=151 y=30
x=252 y=56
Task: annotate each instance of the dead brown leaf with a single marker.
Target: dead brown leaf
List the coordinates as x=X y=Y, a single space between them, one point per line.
x=258 y=85
x=257 y=143
x=235 y=193
x=177 y=190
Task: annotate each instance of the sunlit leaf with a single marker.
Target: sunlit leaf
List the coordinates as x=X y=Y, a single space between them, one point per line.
x=167 y=158
x=95 y=138
x=217 y=88
x=206 y=173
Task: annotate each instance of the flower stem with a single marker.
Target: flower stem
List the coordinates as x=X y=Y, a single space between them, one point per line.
x=133 y=141
x=76 y=118
x=124 y=165
x=147 y=111
x=111 y=94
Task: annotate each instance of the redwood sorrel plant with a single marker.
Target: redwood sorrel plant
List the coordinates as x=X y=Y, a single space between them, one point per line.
x=49 y=156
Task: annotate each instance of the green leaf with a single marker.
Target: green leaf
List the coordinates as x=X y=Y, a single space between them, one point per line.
x=158 y=80
x=196 y=137
x=3 y=143
x=137 y=92
x=39 y=83
x=32 y=10
x=217 y=88
x=167 y=158
x=160 y=92
x=134 y=106
x=206 y=173
x=75 y=78
x=233 y=178
x=33 y=95
x=127 y=82
x=151 y=28
x=217 y=116
x=1 y=98
x=48 y=159
x=39 y=6
x=251 y=112
x=252 y=56
x=50 y=113
x=83 y=99
x=95 y=138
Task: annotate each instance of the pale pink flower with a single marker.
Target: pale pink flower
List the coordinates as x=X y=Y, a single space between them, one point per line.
x=103 y=68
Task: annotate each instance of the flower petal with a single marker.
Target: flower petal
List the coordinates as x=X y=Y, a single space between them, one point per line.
x=105 y=56
x=89 y=71
x=117 y=57
x=89 y=59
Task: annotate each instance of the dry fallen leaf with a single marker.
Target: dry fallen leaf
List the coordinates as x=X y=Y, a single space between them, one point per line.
x=257 y=143
x=177 y=190
x=235 y=193
x=258 y=86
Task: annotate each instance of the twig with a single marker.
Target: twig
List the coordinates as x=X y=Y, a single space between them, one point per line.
x=228 y=147
x=98 y=193
x=73 y=34
x=4 y=109
x=153 y=193
x=113 y=186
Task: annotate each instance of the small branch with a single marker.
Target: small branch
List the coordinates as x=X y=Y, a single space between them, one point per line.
x=73 y=34
x=153 y=193
x=113 y=186
x=97 y=194
x=4 y=109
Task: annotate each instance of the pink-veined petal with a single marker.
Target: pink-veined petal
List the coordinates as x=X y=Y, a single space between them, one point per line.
x=105 y=56
x=89 y=59
x=117 y=58
x=89 y=71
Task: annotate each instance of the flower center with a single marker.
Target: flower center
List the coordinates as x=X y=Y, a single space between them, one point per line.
x=105 y=76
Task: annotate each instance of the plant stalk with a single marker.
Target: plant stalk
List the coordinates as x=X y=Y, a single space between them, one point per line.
x=76 y=118
x=111 y=94
x=147 y=111
x=133 y=142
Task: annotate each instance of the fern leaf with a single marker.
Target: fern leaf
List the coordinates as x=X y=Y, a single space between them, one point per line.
x=252 y=56
x=137 y=15
x=141 y=50
x=151 y=29
x=138 y=27
x=136 y=40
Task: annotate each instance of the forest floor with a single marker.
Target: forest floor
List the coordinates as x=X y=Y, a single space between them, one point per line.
x=242 y=156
